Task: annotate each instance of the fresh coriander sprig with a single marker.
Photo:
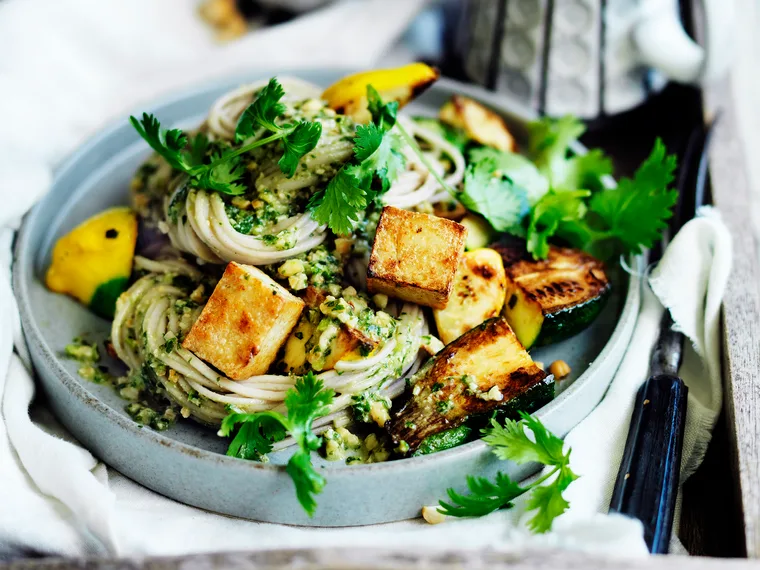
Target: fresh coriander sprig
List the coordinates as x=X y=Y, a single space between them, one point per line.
x=621 y=220
x=298 y=139
x=511 y=442
x=485 y=190
x=377 y=157
x=223 y=172
x=306 y=402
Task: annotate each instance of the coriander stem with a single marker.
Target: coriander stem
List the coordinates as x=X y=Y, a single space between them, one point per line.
x=543 y=478
x=255 y=144
x=416 y=148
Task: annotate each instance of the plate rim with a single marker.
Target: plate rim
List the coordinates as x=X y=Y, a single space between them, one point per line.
x=24 y=259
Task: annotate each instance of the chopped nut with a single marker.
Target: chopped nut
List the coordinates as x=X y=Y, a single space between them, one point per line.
x=494 y=394
x=311 y=106
x=185 y=412
x=379 y=413
x=290 y=268
x=371 y=443
x=432 y=515
x=197 y=295
x=343 y=245
x=431 y=344
x=298 y=282
x=381 y=300
x=240 y=202
x=173 y=376
x=559 y=368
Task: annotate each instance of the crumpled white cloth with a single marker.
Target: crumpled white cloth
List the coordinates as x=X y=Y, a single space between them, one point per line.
x=77 y=63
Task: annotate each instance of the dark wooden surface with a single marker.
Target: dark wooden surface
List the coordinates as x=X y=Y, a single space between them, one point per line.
x=741 y=314
x=711 y=523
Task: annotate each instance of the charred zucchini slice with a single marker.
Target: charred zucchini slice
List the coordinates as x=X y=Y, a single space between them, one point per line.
x=529 y=401
x=445 y=440
x=551 y=299
x=477 y=294
x=482 y=371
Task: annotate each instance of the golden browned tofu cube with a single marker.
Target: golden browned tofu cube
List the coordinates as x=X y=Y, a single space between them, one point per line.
x=415 y=257
x=245 y=322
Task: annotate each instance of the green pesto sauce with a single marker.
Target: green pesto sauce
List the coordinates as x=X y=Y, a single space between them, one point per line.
x=148 y=404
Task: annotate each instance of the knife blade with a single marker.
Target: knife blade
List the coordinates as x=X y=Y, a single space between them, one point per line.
x=646 y=487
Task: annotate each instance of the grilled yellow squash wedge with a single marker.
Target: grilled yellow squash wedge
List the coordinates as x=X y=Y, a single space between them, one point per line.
x=402 y=84
x=93 y=262
x=478 y=294
x=484 y=370
x=552 y=299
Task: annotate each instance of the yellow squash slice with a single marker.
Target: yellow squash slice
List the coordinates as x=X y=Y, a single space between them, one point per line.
x=401 y=84
x=93 y=262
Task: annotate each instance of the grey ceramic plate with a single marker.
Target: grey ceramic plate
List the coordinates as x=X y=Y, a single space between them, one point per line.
x=187 y=462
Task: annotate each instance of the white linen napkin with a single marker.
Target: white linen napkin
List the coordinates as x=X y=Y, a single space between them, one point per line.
x=76 y=64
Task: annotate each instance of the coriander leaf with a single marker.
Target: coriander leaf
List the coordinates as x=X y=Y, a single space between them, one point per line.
x=256 y=434
x=485 y=497
x=635 y=212
x=307 y=401
x=586 y=171
x=379 y=154
x=454 y=135
x=493 y=196
x=307 y=480
x=198 y=150
x=549 y=503
x=553 y=209
x=511 y=442
x=169 y=144
x=243 y=445
x=367 y=140
x=549 y=142
x=383 y=114
x=222 y=177
x=263 y=112
x=339 y=204
x=516 y=167
x=301 y=141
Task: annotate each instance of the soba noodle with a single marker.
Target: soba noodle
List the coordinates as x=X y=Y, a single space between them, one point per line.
x=266 y=227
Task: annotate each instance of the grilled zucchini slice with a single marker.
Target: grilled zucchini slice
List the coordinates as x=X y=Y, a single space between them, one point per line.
x=529 y=401
x=482 y=371
x=477 y=295
x=552 y=299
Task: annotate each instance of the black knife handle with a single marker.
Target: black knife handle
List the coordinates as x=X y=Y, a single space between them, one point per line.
x=647 y=483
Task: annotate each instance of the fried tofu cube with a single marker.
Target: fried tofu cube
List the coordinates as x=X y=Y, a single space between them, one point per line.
x=415 y=257
x=245 y=322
